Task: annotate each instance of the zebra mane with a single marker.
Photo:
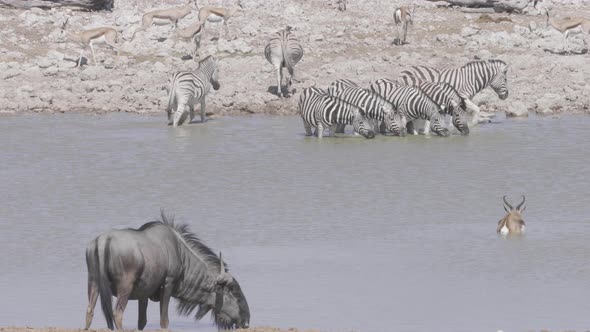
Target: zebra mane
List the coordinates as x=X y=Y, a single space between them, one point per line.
x=205 y=60
x=494 y=63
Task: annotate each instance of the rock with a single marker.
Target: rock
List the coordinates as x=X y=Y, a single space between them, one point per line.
x=532 y=26
x=90 y=73
x=44 y=62
x=521 y=30
x=249 y=30
x=468 y=32
x=158 y=66
x=316 y=37
x=517 y=109
x=549 y=103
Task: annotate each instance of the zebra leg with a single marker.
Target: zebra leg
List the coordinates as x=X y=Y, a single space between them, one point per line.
x=475 y=110
x=279 y=74
x=203 y=118
x=191 y=108
x=178 y=115
x=334 y=129
x=340 y=128
x=320 y=130
x=411 y=128
x=426 y=127
x=307 y=127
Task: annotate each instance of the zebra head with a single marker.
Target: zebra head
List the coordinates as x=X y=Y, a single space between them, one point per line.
x=361 y=124
x=396 y=121
x=436 y=125
x=459 y=112
x=499 y=81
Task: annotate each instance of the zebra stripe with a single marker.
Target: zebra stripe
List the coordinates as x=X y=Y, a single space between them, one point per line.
x=319 y=110
x=410 y=100
x=445 y=95
x=186 y=88
x=467 y=80
x=373 y=105
x=283 y=50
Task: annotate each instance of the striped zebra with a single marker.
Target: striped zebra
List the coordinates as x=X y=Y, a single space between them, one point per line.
x=446 y=96
x=414 y=103
x=186 y=88
x=373 y=105
x=467 y=80
x=283 y=50
x=319 y=110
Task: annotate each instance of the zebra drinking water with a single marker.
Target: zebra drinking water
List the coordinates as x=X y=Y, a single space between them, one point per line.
x=283 y=50
x=319 y=110
x=186 y=88
x=411 y=101
x=374 y=106
x=445 y=95
x=468 y=80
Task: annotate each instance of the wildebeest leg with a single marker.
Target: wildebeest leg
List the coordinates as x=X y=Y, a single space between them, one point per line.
x=203 y=117
x=164 y=301
x=92 y=297
x=123 y=290
x=142 y=320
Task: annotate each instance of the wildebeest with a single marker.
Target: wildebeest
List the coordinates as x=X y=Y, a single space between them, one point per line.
x=158 y=261
x=512 y=223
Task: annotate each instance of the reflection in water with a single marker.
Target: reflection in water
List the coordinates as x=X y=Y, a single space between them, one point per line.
x=349 y=234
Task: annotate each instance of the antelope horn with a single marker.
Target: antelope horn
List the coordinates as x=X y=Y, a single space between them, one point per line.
x=508 y=204
x=521 y=203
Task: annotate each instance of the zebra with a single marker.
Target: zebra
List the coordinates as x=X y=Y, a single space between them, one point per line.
x=373 y=105
x=468 y=80
x=414 y=103
x=283 y=50
x=319 y=110
x=445 y=95
x=186 y=88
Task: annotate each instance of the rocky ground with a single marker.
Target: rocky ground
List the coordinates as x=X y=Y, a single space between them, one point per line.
x=37 y=65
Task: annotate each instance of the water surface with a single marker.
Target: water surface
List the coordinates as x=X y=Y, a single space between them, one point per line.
x=343 y=234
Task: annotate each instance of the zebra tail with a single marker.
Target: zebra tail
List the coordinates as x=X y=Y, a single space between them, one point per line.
x=104 y=286
x=287 y=58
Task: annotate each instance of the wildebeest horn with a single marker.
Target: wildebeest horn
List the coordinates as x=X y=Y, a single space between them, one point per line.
x=521 y=203
x=221 y=267
x=508 y=204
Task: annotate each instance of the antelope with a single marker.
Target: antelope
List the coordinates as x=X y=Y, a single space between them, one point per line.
x=512 y=222
x=193 y=32
x=89 y=37
x=172 y=15
x=217 y=14
x=403 y=16
x=573 y=25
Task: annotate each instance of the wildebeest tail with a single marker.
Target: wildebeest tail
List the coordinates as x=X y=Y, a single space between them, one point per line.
x=104 y=285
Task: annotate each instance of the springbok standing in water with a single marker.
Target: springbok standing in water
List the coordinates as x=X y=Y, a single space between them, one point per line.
x=512 y=223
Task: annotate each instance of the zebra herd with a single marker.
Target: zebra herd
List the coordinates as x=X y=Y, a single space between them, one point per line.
x=420 y=93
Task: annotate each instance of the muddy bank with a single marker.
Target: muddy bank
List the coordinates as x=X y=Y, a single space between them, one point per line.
x=38 y=74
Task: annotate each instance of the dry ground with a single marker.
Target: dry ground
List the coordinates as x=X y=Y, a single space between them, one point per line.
x=36 y=65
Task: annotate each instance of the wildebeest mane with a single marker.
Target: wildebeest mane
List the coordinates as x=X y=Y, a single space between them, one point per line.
x=194 y=293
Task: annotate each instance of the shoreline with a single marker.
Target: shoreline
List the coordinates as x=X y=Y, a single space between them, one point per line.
x=37 y=74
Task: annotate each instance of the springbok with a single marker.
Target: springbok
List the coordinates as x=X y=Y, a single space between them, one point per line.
x=403 y=16
x=165 y=16
x=192 y=33
x=569 y=25
x=104 y=35
x=216 y=15
x=512 y=223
